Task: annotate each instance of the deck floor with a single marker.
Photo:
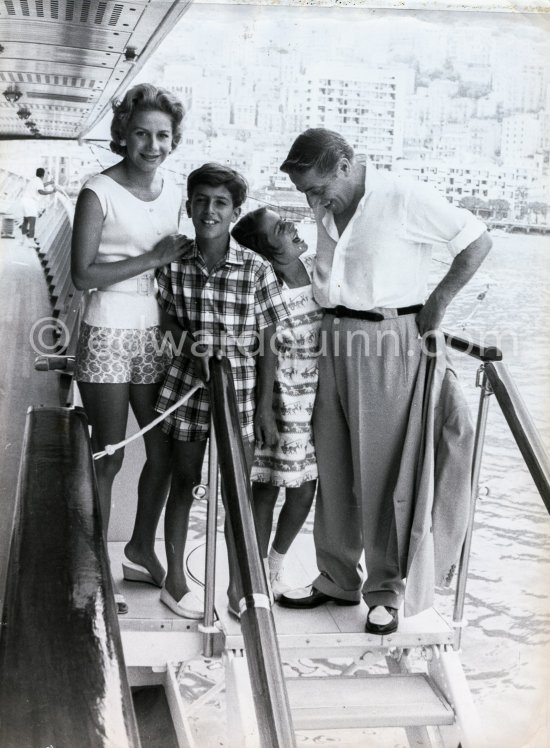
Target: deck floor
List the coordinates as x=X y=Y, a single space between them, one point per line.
x=328 y=628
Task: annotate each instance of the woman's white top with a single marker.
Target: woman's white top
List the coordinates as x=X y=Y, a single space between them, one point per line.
x=130 y=227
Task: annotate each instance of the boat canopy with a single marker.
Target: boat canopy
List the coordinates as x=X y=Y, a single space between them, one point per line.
x=63 y=61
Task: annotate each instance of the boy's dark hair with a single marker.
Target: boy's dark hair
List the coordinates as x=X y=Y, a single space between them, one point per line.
x=144 y=98
x=316 y=148
x=40 y=172
x=215 y=175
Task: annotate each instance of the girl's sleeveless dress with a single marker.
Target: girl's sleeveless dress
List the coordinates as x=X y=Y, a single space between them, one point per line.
x=292 y=461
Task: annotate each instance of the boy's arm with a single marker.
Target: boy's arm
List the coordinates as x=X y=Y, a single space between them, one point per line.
x=265 y=428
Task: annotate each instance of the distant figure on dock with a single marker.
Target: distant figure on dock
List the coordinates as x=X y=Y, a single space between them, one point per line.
x=290 y=463
x=375 y=233
x=125 y=226
x=224 y=297
x=30 y=200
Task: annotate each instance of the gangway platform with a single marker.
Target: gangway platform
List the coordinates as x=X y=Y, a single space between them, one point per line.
x=429 y=703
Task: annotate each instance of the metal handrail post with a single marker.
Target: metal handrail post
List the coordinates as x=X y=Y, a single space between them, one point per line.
x=523 y=429
x=263 y=659
x=208 y=628
x=481 y=425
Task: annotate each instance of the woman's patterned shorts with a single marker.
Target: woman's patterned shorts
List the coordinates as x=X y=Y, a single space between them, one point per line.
x=109 y=355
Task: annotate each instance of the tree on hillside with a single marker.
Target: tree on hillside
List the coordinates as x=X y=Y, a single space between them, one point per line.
x=499 y=208
x=520 y=202
x=476 y=205
x=472 y=90
x=537 y=209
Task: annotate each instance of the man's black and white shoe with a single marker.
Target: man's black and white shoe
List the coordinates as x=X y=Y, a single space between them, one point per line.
x=382 y=620
x=310 y=597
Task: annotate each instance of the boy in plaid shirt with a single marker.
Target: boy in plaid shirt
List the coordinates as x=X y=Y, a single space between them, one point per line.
x=219 y=296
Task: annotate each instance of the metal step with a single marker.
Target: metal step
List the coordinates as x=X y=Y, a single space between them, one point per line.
x=409 y=700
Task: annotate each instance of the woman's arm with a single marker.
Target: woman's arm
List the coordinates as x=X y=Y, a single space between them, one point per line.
x=173 y=331
x=88 y=273
x=184 y=344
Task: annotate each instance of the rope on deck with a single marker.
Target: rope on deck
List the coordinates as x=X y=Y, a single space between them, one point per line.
x=110 y=449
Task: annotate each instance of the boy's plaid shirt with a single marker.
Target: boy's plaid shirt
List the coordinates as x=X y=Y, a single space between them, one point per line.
x=225 y=308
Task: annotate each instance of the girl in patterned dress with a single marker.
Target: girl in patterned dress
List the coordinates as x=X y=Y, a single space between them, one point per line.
x=291 y=463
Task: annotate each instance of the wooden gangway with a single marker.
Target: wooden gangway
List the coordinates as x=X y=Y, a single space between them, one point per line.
x=152 y=636
x=432 y=704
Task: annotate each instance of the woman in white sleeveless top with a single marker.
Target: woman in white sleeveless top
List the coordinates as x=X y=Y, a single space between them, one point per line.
x=125 y=226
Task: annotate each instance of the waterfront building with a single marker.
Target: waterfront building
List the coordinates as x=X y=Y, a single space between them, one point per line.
x=487 y=107
x=483 y=137
x=448 y=139
x=193 y=150
x=521 y=87
x=366 y=105
x=521 y=136
x=518 y=183
x=265 y=161
x=438 y=119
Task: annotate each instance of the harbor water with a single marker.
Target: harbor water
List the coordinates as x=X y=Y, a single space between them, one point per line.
x=506 y=646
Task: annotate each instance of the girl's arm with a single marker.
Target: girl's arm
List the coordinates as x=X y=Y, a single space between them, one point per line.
x=88 y=273
x=265 y=428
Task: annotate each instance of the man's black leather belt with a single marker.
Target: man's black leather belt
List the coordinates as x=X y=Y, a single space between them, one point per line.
x=343 y=311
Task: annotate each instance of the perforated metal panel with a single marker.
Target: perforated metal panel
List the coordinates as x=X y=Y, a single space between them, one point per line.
x=89 y=13
x=70 y=81
x=67 y=57
x=46 y=33
x=15 y=53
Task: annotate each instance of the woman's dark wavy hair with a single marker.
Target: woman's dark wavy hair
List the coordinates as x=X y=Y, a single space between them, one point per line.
x=144 y=98
x=316 y=148
x=214 y=175
x=246 y=232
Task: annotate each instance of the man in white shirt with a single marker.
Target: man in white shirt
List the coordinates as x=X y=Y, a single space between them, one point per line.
x=31 y=201
x=375 y=234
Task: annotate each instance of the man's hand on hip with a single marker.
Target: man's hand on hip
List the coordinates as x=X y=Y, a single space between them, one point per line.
x=430 y=316
x=462 y=269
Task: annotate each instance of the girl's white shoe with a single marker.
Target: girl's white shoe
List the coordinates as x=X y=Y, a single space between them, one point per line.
x=278 y=585
x=190 y=606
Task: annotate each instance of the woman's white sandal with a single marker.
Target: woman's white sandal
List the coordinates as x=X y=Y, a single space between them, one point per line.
x=188 y=607
x=136 y=573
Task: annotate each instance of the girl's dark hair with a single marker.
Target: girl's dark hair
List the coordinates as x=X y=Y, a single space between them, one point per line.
x=316 y=148
x=215 y=175
x=246 y=231
x=144 y=98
